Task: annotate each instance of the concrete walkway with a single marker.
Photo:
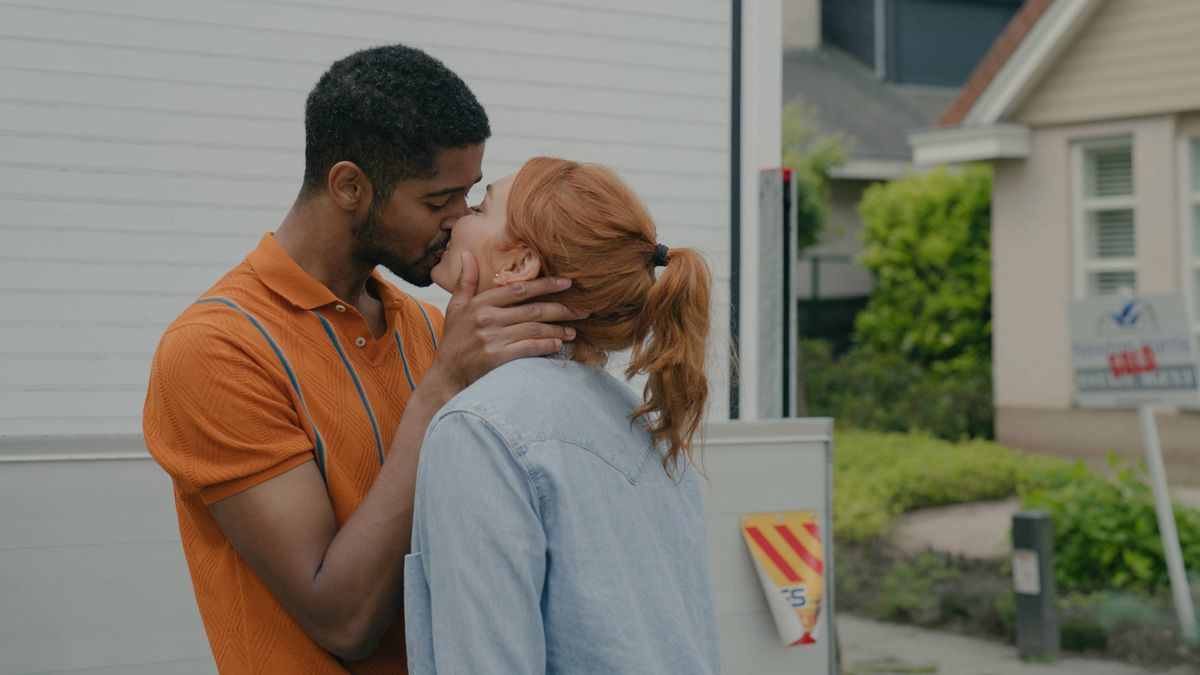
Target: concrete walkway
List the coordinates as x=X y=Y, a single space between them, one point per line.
x=976 y=530
x=874 y=648
x=979 y=530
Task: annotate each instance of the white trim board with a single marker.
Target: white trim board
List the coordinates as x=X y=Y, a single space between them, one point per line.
x=870 y=168
x=970 y=144
x=80 y=448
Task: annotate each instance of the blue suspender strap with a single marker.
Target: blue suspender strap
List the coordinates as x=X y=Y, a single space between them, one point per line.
x=428 y=323
x=362 y=394
x=404 y=360
x=287 y=367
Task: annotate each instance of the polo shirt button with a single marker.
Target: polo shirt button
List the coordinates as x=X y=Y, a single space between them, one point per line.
x=340 y=308
x=360 y=341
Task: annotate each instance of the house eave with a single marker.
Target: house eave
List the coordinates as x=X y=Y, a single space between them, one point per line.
x=869 y=168
x=1022 y=72
x=955 y=145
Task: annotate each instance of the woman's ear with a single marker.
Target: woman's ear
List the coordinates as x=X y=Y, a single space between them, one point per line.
x=522 y=264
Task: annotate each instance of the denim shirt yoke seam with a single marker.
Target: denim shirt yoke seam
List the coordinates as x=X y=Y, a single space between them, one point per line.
x=632 y=475
x=516 y=449
x=497 y=423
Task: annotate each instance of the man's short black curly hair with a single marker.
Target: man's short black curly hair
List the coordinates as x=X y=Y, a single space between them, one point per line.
x=389 y=110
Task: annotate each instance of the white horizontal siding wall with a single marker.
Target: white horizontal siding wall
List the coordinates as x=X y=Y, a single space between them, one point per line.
x=146 y=145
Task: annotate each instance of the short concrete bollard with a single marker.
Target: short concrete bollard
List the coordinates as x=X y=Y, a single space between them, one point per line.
x=1033 y=586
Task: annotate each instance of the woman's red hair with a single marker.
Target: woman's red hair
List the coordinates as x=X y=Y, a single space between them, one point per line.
x=584 y=223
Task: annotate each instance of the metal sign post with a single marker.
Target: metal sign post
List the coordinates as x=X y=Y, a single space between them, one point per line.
x=1138 y=352
x=1166 y=524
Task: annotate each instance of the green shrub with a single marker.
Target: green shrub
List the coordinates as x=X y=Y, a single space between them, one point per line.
x=1135 y=624
x=910 y=590
x=922 y=346
x=1005 y=606
x=883 y=391
x=811 y=155
x=930 y=589
x=878 y=476
x=1106 y=531
x=927 y=245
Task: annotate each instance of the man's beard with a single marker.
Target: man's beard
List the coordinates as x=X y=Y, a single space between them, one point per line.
x=371 y=246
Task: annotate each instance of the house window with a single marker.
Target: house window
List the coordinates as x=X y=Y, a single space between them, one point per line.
x=1106 y=216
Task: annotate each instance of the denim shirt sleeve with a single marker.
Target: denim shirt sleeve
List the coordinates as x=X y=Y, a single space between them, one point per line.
x=483 y=550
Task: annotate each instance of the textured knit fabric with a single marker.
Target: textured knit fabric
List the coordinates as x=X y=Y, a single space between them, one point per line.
x=548 y=538
x=267 y=371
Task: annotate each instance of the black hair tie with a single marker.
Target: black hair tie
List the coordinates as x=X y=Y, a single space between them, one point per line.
x=660 y=256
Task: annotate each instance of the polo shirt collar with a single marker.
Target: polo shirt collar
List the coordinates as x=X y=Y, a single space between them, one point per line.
x=283 y=275
x=388 y=294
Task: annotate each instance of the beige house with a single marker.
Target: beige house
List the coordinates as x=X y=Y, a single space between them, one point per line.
x=1089 y=110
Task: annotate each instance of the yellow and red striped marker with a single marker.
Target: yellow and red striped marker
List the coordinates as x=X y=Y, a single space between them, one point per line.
x=789 y=557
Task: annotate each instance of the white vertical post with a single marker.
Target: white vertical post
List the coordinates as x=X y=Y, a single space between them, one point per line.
x=762 y=131
x=1166 y=524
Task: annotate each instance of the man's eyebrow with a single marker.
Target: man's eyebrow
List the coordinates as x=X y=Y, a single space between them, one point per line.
x=452 y=190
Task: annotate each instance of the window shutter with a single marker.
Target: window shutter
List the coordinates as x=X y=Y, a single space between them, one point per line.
x=1110 y=172
x=1108 y=283
x=1111 y=234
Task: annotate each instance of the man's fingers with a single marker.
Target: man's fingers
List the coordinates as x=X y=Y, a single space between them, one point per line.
x=533 y=331
x=541 y=312
x=521 y=291
x=526 y=348
x=468 y=278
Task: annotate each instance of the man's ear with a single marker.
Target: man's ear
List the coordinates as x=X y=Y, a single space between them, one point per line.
x=522 y=265
x=349 y=187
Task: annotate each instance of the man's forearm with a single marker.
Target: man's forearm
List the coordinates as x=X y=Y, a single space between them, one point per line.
x=361 y=574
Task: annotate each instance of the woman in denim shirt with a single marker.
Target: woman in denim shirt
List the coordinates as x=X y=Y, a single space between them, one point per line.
x=558 y=526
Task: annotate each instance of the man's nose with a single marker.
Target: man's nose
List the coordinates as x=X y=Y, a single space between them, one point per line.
x=460 y=209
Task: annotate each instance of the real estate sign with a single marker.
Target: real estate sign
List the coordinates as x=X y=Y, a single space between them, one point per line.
x=1130 y=351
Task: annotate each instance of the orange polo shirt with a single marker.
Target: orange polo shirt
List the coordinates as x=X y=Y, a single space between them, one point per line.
x=266 y=371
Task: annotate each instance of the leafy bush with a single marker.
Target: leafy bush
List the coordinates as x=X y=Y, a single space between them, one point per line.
x=811 y=155
x=930 y=589
x=909 y=590
x=922 y=354
x=1106 y=531
x=927 y=245
x=1135 y=626
x=877 y=476
x=883 y=391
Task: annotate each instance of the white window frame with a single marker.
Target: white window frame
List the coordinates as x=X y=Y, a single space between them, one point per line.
x=1082 y=205
x=1189 y=199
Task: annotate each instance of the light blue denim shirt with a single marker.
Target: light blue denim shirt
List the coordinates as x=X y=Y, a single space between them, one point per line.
x=547 y=538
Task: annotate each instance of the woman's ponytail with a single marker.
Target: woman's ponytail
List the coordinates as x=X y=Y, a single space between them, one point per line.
x=585 y=224
x=670 y=351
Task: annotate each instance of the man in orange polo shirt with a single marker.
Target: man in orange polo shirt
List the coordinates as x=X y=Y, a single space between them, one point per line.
x=289 y=402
